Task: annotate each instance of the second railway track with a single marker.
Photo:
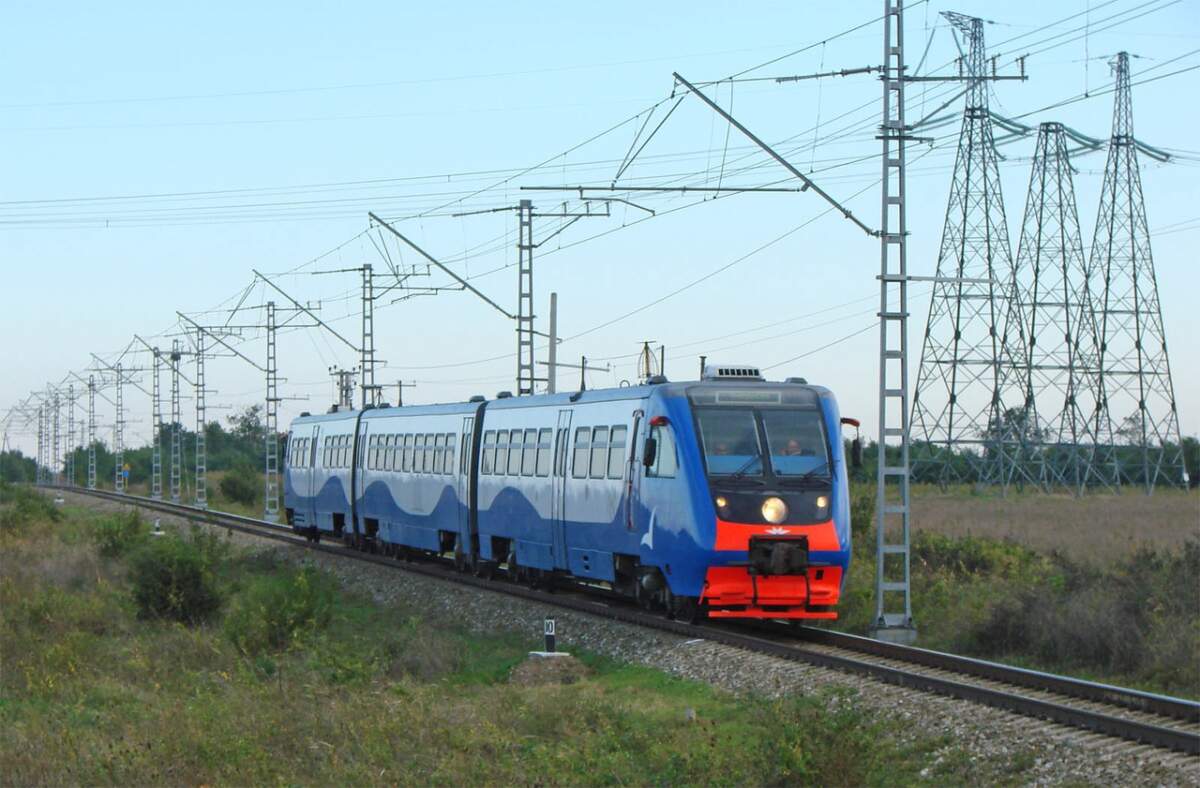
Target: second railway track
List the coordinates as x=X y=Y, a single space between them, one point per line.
x=1119 y=713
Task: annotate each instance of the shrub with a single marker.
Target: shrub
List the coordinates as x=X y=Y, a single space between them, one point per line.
x=21 y=507
x=116 y=534
x=177 y=578
x=277 y=610
x=237 y=487
x=862 y=514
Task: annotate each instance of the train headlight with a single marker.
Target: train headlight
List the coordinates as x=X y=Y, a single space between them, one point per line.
x=822 y=501
x=721 y=502
x=774 y=510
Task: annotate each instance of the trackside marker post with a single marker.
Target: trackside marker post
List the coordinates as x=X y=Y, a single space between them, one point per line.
x=549 y=630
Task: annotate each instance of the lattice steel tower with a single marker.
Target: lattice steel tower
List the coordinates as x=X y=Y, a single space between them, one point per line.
x=156 y=428
x=1139 y=417
x=525 y=336
x=91 y=433
x=201 y=438
x=119 y=433
x=1061 y=328
x=972 y=410
x=176 y=426
x=271 y=477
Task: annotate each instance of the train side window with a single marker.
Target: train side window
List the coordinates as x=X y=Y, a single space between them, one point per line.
x=489 y=452
x=616 y=453
x=418 y=452
x=501 y=453
x=346 y=451
x=385 y=452
x=439 y=453
x=579 y=463
x=406 y=454
x=560 y=453
x=325 y=453
x=373 y=452
x=429 y=453
x=529 y=454
x=543 y=452
x=450 y=441
x=515 y=445
x=665 y=461
x=599 y=452
x=397 y=449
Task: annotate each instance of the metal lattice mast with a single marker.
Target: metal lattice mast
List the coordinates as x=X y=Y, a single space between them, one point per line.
x=56 y=454
x=972 y=411
x=40 y=476
x=893 y=603
x=176 y=419
x=1139 y=418
x=201 y=438
x=370 y=392
x=271 y=482
x=91 y=433
x=119 y=432
x=70 y=463
x=1061 y=327
x=156 y=425
x=525 y=360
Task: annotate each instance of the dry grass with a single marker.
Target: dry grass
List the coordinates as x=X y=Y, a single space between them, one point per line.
x=1094 y=528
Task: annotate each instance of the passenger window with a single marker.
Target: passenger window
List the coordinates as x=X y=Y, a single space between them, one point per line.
x=543 y=452
x=427 y=466
x=385 y=453
x=515 y=444
x=418 y=452
x=560 y=453
x=579 y=464
x=489 y=452
x=450 y=438
x=665 y=461
x=529 y=454
x=406 y=463
x=616 y=453
x=373 y=452
x=439 y=453
x=599 y=452
x=501 y=452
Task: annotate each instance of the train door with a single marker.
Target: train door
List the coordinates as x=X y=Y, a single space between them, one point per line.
x=311 y=488
x=358 y=475
x=633 y=473
x=558 y=498
x=464 y=482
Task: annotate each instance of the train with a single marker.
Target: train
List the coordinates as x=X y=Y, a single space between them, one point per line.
x=724 y=497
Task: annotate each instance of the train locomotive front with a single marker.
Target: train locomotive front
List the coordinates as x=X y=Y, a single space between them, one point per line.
x=768 y=531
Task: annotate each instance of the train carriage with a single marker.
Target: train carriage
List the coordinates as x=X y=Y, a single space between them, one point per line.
x=725 y=497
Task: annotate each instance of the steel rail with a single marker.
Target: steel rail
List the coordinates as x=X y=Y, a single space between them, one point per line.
x=1056 y=711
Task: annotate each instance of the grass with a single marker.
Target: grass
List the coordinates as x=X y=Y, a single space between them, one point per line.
x=295 y=680
x=1131 y=617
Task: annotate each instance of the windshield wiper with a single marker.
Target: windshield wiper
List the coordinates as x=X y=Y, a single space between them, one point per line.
x=740 y=473
x=809 y=477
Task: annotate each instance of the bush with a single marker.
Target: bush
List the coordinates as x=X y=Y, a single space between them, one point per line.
x=21 y=507
x=238 y=487
x=177 y=578
x=116 y=534
x=275 y=611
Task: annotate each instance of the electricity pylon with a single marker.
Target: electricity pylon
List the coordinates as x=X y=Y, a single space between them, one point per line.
x=1138 y=418
x=1061 y=328
x=972 y=409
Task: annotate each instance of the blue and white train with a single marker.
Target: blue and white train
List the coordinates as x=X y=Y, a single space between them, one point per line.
x=724 y=497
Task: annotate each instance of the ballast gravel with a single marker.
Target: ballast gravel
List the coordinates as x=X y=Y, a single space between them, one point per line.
x=1004 y=746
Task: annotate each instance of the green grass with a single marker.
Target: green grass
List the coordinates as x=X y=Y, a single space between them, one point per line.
x=296 y=681
x=1132 y=620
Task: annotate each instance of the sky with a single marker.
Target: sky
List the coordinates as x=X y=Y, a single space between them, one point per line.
x=157 y=154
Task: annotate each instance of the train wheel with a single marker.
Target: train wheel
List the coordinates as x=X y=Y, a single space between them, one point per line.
x=686 y=609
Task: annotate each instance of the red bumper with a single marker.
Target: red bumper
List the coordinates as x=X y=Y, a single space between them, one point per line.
x=732 y=592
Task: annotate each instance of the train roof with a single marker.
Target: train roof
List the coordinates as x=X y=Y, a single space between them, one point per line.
x=679 y=389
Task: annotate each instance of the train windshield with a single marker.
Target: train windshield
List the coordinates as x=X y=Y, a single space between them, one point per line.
x=746 y=441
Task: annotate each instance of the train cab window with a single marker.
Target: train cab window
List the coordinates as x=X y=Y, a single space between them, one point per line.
x=543 y=452
x=529 y=453
x=489 y=452
x=599 y=452
x=501 y=466
x=515 y=445
x=616 y=453
x=665 y=461
x=579 y=463
x=450 y=439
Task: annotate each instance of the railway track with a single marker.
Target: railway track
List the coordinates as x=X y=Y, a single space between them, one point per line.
x=1127 y=716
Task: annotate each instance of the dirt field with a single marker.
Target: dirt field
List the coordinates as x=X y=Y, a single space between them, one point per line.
x=1095 y=527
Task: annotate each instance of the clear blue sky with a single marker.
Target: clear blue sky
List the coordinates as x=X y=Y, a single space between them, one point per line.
x=319 y=113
